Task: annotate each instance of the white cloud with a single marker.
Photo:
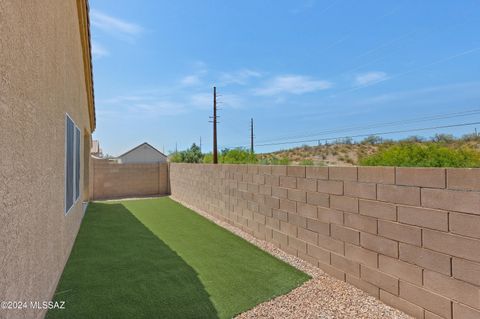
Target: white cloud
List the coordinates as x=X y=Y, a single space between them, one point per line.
x=370 y=77
x=115 y=26
x=198 y=72
x=127 y=99
x=158 y=108
x=430 y=95
x=233 y=101
x=201 y=100
x=199 y=65
x=142 y=104
x=293 y=84
x=303 y=6
x=240 y=77
x=190 y=80
x=99 y=50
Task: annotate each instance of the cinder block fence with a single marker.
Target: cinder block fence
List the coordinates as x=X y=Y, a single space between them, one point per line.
x=409 y=236
x=110 y=180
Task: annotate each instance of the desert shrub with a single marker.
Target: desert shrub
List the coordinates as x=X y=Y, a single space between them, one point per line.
x=413 y=139
x=372 y=140
x=443 y=138
x=232 y=156
x=423 y=155
x=275 y=161
x=350 y=161
x=470 y=137
x=237 y=156
x=306 y=162
x=208 y=158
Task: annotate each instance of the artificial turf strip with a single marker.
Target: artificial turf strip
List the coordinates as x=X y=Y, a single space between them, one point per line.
x=155 y=258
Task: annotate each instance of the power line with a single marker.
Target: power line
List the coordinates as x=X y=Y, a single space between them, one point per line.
x=383 y=124
x=412 y=70
x=377 y=133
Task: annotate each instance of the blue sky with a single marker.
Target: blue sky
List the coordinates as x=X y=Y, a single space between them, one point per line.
x=297 y=67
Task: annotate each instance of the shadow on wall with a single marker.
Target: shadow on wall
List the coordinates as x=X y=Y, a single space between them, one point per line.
x=119 y=269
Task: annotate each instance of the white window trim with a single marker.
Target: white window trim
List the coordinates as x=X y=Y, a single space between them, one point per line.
x=75 y=201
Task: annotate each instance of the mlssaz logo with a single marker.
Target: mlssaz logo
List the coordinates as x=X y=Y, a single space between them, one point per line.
x=47 y=304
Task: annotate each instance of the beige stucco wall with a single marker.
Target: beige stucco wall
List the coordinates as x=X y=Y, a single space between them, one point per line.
x=408 y=236
x=41 y=78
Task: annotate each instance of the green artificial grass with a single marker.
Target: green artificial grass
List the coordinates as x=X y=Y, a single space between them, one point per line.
x=155 y=258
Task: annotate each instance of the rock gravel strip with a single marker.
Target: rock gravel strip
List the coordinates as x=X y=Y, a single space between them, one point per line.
x=322 y=297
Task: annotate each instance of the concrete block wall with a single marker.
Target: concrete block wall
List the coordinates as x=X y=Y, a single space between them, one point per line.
x=112 y=180
x=408 y=236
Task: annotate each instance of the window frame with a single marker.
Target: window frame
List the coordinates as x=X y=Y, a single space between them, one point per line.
x=75 y=179
x=77 y=163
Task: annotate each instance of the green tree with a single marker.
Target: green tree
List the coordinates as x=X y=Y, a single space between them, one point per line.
x=175 y=157
x=191 y=155
x=237 y=156
x=232 y=156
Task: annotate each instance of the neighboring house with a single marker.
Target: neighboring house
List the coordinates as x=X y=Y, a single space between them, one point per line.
x=143 y=153
x=47 y=117
x=96 y=150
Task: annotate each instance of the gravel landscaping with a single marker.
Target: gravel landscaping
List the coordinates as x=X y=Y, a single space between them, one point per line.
x=321 y=297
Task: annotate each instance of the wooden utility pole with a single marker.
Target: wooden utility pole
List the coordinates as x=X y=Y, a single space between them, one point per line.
x=251 y=136
x=215 y=152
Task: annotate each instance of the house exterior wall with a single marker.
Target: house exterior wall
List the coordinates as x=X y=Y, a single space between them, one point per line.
x=142 y=155
x=42 y=77
x=113 y=180
x=408 y=236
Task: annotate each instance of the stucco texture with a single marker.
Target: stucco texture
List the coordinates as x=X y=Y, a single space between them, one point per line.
x=41 y=78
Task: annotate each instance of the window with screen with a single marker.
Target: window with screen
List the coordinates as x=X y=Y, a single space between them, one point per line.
x=77 y=163
x=72 y=163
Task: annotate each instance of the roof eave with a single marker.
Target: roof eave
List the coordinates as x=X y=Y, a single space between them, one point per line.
x=84 y=21
x=145 y=143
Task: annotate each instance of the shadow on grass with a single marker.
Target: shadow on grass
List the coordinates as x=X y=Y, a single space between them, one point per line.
x=119 y=269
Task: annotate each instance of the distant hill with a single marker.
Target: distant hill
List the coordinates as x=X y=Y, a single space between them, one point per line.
x=348 y=154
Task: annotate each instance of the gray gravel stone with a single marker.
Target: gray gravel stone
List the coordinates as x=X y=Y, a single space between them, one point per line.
x=322 y=297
